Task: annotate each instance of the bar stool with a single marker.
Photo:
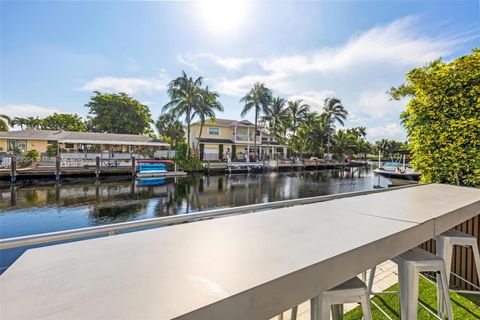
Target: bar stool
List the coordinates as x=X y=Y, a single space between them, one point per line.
x=410 y=264
x=353 y=290
x=447 y=240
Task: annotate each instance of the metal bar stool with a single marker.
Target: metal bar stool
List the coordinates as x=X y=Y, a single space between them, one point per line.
x=410 y=264
x=447 y=240
x=353 y=290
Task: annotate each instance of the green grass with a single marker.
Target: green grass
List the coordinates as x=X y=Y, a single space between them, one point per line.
x=465 y=307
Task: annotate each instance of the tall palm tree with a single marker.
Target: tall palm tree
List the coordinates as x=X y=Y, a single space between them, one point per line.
x=274 y=116
x=33 y=123
x=334 y=112
x=185 y=97
x=5 y=122
x=298 y=112
x=18 y=121
x=257 y=98
x=206 y=109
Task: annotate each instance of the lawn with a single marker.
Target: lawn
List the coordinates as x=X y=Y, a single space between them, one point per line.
x=465 y=307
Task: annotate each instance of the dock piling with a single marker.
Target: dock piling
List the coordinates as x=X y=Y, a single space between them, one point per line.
x=97 y=168
x=13 y=173
x=133 y=167
x=57 y=169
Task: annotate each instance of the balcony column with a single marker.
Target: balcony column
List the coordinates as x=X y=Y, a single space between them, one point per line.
x=235 y=134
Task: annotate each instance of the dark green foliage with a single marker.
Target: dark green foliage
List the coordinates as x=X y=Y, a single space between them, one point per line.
x=118 y=113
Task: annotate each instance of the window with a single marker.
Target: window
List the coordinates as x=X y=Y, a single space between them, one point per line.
x=17 y=145
x=69 y=145
x=213 y=131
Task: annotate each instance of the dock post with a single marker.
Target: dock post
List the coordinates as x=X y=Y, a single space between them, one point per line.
x=278 y=167
x=175 y=166
x=97 y=167
x=57 y=169
x=316 y=164
x=133 y=167
x=13 y=173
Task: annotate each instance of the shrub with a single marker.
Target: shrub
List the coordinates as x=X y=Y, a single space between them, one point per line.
x=52 y=150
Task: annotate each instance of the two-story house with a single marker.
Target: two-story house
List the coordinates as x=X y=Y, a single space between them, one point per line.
x=220 y=136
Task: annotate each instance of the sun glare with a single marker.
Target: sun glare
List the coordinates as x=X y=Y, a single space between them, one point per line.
x=222 y=17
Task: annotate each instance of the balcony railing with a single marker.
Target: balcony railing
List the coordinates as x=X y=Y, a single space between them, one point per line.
x=240 y=137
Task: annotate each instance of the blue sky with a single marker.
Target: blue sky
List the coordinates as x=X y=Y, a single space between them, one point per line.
x=54 y=54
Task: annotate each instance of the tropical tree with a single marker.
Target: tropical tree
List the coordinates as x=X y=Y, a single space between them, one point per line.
x=206 y=108
x=185 y=98
x=64 y=121
x=170 y=129
x=343 y=143
x=359 y=132
x=5 y=122
x=258 y=98
x=298 y=111
x=33 y=123
x=276 y=115
x=118 y=113
x=18 y=121
x=442 y=120
x=334 y=112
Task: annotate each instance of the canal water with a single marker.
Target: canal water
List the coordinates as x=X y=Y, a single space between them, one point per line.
x=36 y=208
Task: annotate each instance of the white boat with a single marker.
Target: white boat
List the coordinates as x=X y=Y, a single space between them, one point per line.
x=399 y=174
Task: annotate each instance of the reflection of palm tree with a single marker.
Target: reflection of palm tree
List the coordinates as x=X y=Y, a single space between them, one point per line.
x=258 y=99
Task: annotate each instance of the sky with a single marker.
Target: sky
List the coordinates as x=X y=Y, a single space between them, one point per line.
x=53 y=55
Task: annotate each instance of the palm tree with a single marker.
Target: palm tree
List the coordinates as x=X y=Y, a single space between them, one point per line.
x=258 y=98
x=334 y=111
x=343 y=143
x=298 y=112
x=276 y=116
x=206 y=108
x=5 y=122
x=33 y=123
x=185 y=97
x=18 y=121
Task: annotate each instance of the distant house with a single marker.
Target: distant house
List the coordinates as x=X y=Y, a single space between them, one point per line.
x=71 y=142
x=220 y=135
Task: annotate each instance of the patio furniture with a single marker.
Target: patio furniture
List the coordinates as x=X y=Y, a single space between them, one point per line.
x=450 y=238
x=444 y=246
x=410 y=264
x=245 y=266
x=351 y=291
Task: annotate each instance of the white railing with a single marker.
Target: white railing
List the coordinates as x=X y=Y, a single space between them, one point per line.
x=112 y=229
x=211 y=157
x=239 y=137
x=165 y=154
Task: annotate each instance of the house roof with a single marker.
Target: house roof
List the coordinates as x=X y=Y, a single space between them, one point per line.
x=213 y=140
x=226 y=123
x=82 y=137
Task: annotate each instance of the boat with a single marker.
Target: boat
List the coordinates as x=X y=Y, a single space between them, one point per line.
x=399 y=174
x=151 y=168
x=152 y=181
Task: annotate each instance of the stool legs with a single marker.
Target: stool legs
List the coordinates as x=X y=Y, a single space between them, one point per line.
x=476 y=256
x=408 y=292
x=443 y=296
x=367 y=313
x=337 y=311
x=293 y=315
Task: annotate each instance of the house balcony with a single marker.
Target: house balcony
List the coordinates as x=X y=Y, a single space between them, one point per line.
x=245 y=138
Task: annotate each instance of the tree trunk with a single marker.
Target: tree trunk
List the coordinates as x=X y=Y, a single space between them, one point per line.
x=200 y=134
x=255 y=135
x=188 y=131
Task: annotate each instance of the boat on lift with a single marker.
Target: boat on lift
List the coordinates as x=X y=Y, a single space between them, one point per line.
x=399 y=172
x=152 y=168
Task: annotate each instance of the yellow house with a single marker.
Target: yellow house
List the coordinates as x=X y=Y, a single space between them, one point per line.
x=220 y=137
x=73 y=142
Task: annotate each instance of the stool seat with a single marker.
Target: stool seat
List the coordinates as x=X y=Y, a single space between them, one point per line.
x=350 y=287
x=421 y=259
x=410 y=264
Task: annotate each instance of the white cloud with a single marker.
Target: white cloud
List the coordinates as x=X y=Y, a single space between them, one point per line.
x=27 y=110
x=396 y=46
x=187 y=61
x=389 y=130
x=127 y=85
x=232 y=63
x=377 y=103
x=398 y=43
x=315 y=99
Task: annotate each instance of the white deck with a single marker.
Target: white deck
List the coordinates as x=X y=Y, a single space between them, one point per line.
x=250 y=266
